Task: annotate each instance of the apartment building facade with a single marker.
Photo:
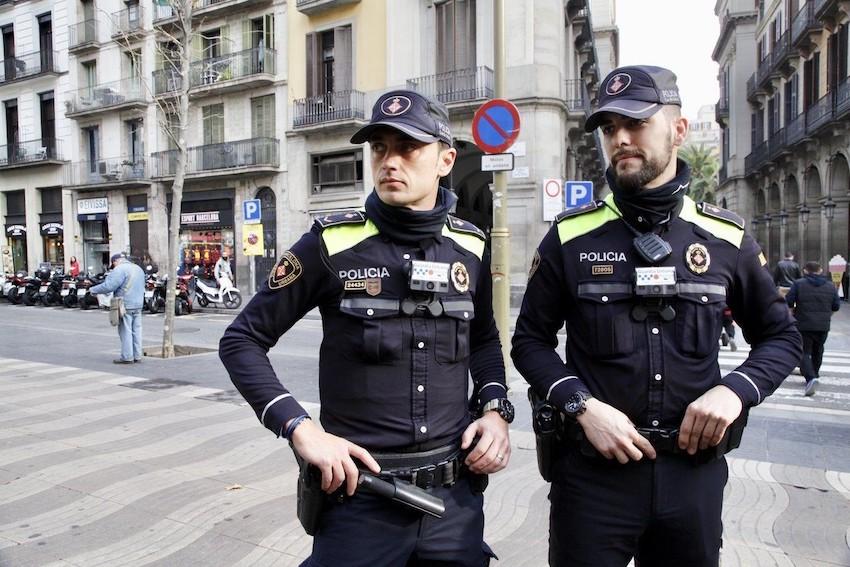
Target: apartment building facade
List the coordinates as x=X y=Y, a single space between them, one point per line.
x=790 y=62
x=276 y=89
x=33 y=80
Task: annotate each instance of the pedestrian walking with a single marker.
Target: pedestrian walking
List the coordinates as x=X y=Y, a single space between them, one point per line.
x=727 y=336
x=640 y=280
x=786 y=273
x=814 y=299
x=405 y=295
x=126 y=280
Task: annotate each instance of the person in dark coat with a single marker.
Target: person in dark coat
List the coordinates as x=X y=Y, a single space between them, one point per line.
x=814 y=299
x=786 y=273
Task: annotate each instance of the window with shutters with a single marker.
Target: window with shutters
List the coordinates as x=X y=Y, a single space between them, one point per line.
x=213 y=116
x=337 y=172
x=329 y=62
x=262 y=117
x=455 y=35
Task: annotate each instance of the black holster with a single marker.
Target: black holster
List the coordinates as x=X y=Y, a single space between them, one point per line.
x=311 y=497
x=547 y=422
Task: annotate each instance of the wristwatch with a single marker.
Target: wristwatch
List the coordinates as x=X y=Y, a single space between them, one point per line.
x=576 y=404
x=502 y=406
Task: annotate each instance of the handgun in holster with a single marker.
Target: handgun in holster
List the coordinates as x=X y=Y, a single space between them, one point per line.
x=548 y=426
x=311 y=497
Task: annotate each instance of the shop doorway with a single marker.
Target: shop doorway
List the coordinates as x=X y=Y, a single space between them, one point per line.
x=264 y=264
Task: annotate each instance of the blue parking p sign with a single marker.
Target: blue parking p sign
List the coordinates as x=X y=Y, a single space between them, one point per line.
x=577 y=193
x=251 y=211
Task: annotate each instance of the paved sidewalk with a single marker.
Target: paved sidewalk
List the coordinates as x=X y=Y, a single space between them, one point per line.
x=98 y=468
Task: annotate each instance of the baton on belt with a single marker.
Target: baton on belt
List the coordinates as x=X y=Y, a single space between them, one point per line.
x=402 y=492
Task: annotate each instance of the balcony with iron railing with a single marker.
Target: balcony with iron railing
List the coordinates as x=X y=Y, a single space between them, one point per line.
x=804 y=23
x=82 y=36
x=204 y=9
x=782 y=54
x=226 y=158
x=125 y=171
x=763 y=73
x=116 y=95
x=825 y=8
x=459 y=86
x=796 y=129
x=128 y=23
x=576 y=97
x=312 y=7
x=753 y=89
x=166 y=82
x=721 y=110
x=820 y=113
x=29 y=65
x=339 y=106
x=776 y=144
x=235 y=71
x=756 y=158
x=46 y=151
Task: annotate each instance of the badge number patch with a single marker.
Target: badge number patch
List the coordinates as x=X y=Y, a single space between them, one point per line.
x=697 y=258
x=602 y=269
x=460 y=277
x=287 y=270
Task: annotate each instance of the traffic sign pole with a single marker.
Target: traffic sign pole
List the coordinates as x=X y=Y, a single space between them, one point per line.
x=500 y=236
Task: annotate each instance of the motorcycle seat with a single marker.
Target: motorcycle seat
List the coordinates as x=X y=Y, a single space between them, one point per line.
x=208 y=283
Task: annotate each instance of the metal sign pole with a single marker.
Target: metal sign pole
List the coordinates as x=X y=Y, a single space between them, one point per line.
x=500 y=236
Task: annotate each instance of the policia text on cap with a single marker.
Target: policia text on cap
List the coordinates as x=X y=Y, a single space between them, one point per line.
x=639 y=470
x=404 y=291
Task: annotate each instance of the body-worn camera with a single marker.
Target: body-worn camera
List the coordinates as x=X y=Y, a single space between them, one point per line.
x=429 y=276
x=655 y=281
x=652 y=248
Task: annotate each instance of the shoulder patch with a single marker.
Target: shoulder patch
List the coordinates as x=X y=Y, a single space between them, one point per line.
x=287 y=270
x=716 y=212
x=460 y=225
x=345 y=217
x=592 y=206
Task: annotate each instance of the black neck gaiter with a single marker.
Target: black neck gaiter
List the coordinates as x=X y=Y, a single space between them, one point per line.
x=646 y=208
x=406 y=225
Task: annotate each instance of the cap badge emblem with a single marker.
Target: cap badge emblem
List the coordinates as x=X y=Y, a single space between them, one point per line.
x=618 y=83
x=396 y=105
x=697 y=258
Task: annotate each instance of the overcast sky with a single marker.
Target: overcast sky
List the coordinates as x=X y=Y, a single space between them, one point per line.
x=677 y=34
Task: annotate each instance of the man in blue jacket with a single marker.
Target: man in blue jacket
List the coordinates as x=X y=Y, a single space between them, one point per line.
x=814 y=299
x=127 y=280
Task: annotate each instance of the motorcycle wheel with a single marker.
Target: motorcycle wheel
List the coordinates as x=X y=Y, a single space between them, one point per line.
x=84 y=303
x=181 y=306
x=232 y=300
x=69 y=300
x=52 y=298
x=30 y=298
x=13 y=296
x=202 y=300
x=157 y=305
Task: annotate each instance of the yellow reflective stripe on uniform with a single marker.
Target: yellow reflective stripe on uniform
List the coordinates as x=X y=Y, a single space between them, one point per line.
x=573 y=227
x=468 y=241
x=345 y=236
x=722 y=230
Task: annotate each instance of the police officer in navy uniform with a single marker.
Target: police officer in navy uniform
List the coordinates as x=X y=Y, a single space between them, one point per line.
x=404 y=291
x=640 y=280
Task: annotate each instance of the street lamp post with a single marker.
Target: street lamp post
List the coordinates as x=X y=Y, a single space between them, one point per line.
x=783 y=231
x=804 y=219
x=829 y=213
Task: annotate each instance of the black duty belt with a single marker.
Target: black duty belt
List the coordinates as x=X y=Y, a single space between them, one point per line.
x=427 y=469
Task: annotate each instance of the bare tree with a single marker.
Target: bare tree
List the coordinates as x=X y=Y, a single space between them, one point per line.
x=173 y=43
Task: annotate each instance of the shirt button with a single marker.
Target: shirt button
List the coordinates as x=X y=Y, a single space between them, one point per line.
x=370 y=312
x=704 y=299
x=466 y=314
x=420 y=388
x=654 y=423
x=406 y=256
x=421 y=344
x=423 y=429
x=640 y=219
x=655 y=330
x=604 y=299
x=658 y=376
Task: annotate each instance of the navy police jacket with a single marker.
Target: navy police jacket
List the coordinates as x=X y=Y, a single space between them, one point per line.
x=386 y=380
x=583 y=275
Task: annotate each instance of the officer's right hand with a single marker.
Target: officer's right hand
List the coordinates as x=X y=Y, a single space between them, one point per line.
x=332 y=455
x=613 y=434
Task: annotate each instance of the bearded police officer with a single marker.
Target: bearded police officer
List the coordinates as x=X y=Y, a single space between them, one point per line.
x=404 y=291
x=640 y=279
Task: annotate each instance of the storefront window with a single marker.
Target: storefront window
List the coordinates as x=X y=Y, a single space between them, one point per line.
x=95 y=246
x=203 y=248
x=19 y=253
x=54 y=250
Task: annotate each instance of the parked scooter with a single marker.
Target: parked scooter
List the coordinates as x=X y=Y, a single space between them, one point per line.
x=17 y=285
x=183 y=301
x=85 y=298
x=5 y=284
x=51 y=286
x=30 y=290
x=208 y=291
x=69 y=291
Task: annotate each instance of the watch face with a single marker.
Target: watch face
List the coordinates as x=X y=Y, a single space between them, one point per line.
x=575 y=404
x=506 y=410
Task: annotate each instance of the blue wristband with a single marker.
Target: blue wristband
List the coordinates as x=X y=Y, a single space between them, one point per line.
x=293 y=424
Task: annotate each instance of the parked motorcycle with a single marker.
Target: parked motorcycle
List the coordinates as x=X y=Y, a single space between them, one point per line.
x=154 y=291
x=31 y=287
x=183 y=301
x=51 y=286
x=208 y=291
x=5 y=284
x=85 y=298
